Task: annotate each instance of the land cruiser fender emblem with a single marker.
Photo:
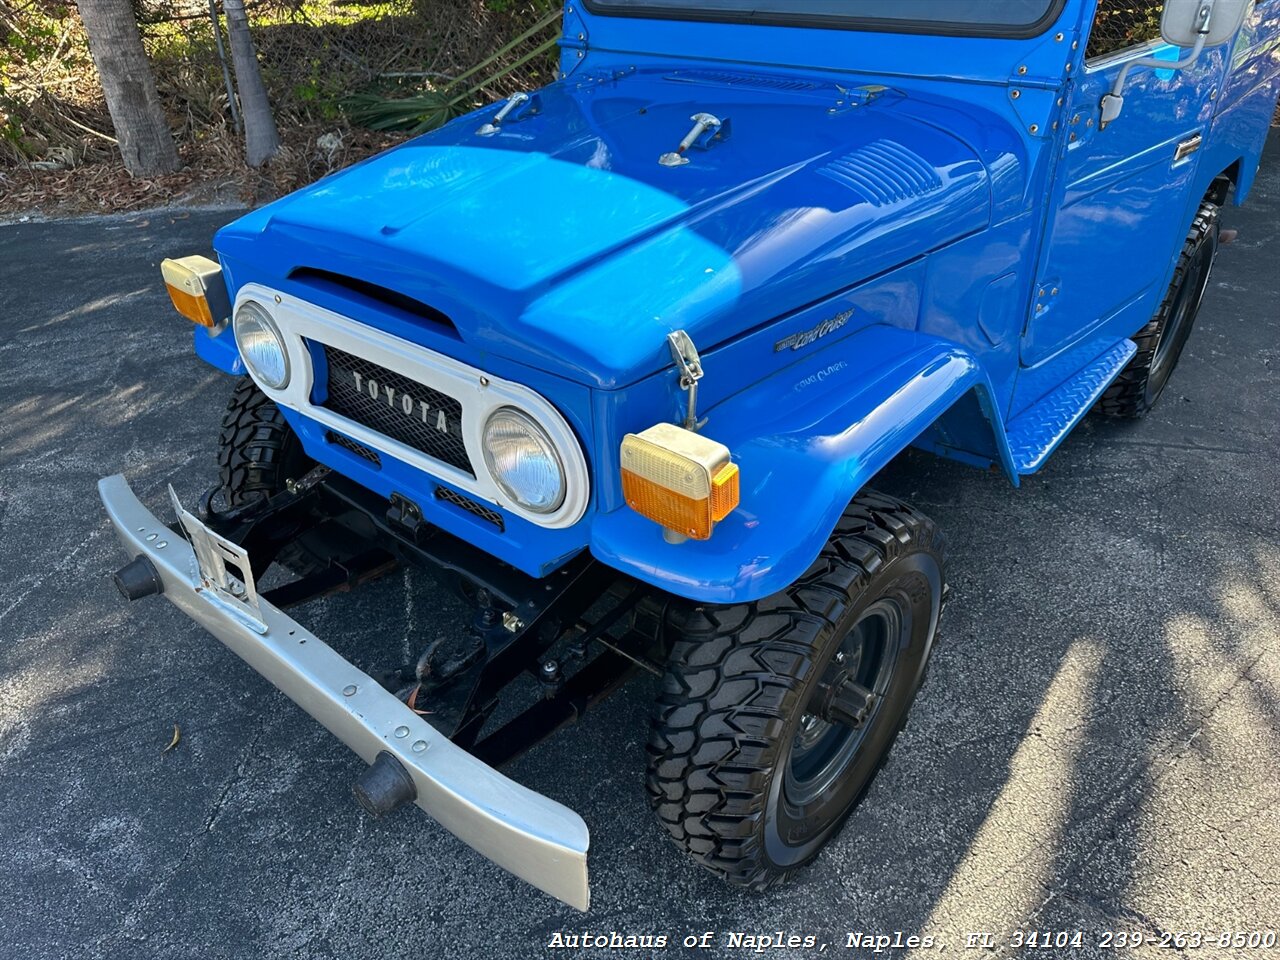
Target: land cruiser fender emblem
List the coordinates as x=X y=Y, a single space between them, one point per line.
x=689 y=364
x=806 y=337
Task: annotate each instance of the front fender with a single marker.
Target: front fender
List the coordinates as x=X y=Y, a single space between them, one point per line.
x=806 y=439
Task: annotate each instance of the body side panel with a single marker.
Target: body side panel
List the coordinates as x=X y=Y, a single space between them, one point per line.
x=848 y=410
x=1117 y=205
x=1247 y=102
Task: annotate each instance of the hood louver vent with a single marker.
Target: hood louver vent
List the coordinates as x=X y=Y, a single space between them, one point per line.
x=883 y=172
x=758 y=81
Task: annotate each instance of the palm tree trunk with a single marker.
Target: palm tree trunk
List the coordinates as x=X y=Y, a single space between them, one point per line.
x=141 y=129
x=261 y=141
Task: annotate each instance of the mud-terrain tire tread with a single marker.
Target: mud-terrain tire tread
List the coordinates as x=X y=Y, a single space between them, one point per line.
x=1126 y=398
x=253 y=445
x=257 y=452
x=732 y=682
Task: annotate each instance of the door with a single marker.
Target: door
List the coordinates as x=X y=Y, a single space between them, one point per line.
x=1120 y=195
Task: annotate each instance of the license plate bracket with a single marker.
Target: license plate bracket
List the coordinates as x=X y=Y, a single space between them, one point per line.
x=213 y=578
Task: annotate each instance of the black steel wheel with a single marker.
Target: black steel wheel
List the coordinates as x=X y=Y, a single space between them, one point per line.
x=775 y=716
x=841 y=709
x=1161 y=341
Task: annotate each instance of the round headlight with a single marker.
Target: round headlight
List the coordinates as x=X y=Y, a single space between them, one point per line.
x=261 y=345
x=523 y=461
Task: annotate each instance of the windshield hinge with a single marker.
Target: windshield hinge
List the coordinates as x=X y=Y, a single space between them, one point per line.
x=573 y=37
x=1046 y=296
x=850 y=98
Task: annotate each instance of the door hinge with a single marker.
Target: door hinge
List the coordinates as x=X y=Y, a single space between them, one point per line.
x=1046 y=297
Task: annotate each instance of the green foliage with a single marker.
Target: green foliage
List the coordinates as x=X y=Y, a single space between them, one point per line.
x=314 y=55
x=435 y=107
x=509 y=6
x=41 y=55
x=1120 y=24
x=40 y=34
x=11 y=133
x=40 y=37
x=322 y=89
x=413 y=114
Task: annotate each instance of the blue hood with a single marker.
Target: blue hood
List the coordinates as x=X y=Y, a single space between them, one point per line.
x=562 y=242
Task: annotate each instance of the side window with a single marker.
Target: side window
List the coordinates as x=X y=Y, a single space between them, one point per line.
x=1121 y=24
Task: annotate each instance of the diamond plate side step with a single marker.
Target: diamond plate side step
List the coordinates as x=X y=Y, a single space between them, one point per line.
x=1036 y=433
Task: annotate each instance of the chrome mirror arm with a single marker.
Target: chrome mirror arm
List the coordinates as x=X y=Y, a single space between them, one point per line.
x=1113 y=102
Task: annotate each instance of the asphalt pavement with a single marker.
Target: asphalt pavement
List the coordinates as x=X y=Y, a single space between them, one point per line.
x=1096 y=747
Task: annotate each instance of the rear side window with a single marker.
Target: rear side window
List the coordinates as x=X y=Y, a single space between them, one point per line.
x=1121 y=24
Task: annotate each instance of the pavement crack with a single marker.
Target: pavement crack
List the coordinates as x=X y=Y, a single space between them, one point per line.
x=238 y=777
x=126 y=927
x=1174 y=445
x=1114 y=911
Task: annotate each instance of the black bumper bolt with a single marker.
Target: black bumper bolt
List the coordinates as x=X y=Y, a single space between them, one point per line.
x=385 y=786
x=138 y=578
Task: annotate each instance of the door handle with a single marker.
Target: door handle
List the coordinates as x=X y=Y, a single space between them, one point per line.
x=1187 y=147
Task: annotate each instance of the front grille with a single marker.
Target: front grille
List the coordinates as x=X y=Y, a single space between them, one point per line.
x=359 y=449
x=469 y=505
x=397 y=407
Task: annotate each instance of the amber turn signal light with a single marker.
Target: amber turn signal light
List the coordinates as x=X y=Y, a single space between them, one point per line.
x=197 y=290
x=679 y=479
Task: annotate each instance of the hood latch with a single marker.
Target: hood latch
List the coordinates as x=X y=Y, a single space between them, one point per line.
x=689 y=364
x=707 y=129
x=517 y=105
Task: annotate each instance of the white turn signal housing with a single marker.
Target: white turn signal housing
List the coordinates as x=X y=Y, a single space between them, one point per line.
x=679 y=479
x=197 y=289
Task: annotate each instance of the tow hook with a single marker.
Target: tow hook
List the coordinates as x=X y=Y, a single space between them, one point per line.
x=407 y=516
x=138 y=578
x=385 y=786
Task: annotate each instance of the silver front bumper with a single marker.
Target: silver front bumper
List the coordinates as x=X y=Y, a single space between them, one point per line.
x=534 y=837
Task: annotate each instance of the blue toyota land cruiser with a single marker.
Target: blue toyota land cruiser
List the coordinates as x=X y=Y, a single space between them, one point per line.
x=618 y=358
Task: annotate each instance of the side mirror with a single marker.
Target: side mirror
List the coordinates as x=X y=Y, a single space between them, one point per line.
x=1198 y=24
x=1184 y=21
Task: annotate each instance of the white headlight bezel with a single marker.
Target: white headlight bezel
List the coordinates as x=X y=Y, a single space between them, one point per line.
x=263 y=315
x=541 y=438
x=480 y=392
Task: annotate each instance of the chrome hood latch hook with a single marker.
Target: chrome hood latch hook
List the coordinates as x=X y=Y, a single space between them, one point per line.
x=689 y=365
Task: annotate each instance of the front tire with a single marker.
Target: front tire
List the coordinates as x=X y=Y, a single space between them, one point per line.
x=258 y=453
x=756 y=757
x=257 y=449
x=1161 y=341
